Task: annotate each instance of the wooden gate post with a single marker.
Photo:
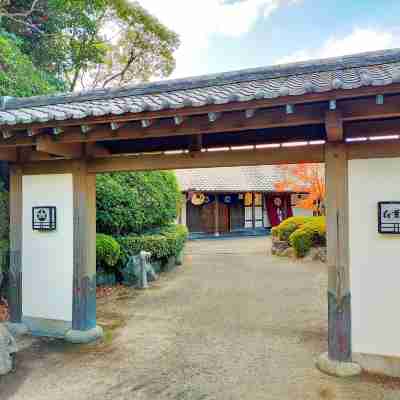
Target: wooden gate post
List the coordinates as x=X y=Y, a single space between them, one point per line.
x=216 y=216
x=15 y=271
x=84 y=328
x=338 y=360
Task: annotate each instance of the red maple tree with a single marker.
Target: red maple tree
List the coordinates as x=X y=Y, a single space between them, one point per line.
x=304 y=178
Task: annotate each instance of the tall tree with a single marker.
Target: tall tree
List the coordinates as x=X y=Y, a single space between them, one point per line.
x=92 y=43
x=308 y=178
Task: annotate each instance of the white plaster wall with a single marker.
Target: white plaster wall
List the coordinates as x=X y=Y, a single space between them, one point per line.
x=374 y=258
x=47 y=257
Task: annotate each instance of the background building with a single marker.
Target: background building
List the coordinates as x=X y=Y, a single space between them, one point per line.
x=234 y=200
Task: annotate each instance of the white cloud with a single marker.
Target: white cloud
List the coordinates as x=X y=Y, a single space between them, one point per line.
x=197 y=20
x=358 y=41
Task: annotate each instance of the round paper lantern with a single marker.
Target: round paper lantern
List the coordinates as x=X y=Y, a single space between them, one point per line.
x=198 y=199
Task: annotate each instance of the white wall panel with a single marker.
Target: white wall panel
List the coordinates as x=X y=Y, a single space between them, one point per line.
x=47 y=257
x=374 y=258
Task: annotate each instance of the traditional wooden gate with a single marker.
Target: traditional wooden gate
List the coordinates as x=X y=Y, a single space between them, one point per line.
x=338 y=111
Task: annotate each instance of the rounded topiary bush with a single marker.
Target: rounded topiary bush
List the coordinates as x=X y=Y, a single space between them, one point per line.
x=108 y=251
x=288 y=226
x=136 y=202
x=312 y=233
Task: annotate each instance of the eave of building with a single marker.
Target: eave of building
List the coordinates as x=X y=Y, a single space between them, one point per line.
x=317 y=101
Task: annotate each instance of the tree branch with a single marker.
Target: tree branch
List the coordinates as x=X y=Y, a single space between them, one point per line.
x=21 y=15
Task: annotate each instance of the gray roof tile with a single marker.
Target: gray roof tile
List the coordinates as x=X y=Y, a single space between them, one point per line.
x=349 y=72
x=229 y=179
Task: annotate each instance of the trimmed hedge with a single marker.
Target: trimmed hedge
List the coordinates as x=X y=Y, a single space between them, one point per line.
x=108 y=251
x=167 y=242
x=288 y=226
x=310 y=234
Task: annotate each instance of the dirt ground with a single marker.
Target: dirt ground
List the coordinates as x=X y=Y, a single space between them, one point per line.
x=232 y=323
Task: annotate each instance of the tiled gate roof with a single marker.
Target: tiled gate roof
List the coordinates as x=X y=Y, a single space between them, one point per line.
x=369 y=69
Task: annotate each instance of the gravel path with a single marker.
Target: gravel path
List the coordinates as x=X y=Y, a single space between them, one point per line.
x=232 y=323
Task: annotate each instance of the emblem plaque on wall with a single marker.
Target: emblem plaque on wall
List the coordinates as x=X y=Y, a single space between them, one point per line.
x=389 y=217
x=44 y=218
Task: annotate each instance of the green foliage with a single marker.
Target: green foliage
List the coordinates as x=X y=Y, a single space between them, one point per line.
x=288 y=226
x=108 y=251
x=311 y=233
x=100 y=42
x=18 y=76
x=167 y=243
x=132 y=203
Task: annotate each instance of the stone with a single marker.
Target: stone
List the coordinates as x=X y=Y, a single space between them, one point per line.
x=337 y=368
x=83 y=337
x=8 y=348
x=278 y=247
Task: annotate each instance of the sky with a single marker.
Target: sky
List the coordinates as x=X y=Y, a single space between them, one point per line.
x=225 y=35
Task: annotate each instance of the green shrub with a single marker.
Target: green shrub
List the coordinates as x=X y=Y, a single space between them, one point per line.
x=132 y=203
x=108 y=251
x=167 y=243
x=310 y=234
x=288 y=226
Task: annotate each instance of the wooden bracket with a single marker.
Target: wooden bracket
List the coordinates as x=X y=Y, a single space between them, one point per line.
x=45 y=144
x=334 y=126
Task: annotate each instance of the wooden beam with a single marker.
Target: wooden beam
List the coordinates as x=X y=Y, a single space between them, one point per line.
x=46 y=144
x=96 y=150
x=368 y=109
x=311 y=154
x=372 y=128
x=334 y=126
x=8 y=154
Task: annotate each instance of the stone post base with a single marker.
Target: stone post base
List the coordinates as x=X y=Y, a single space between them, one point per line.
x=75 y=336
x=337 y=368
x=17 y=328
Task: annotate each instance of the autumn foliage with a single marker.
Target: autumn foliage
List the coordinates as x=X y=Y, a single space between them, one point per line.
x=306 y=178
